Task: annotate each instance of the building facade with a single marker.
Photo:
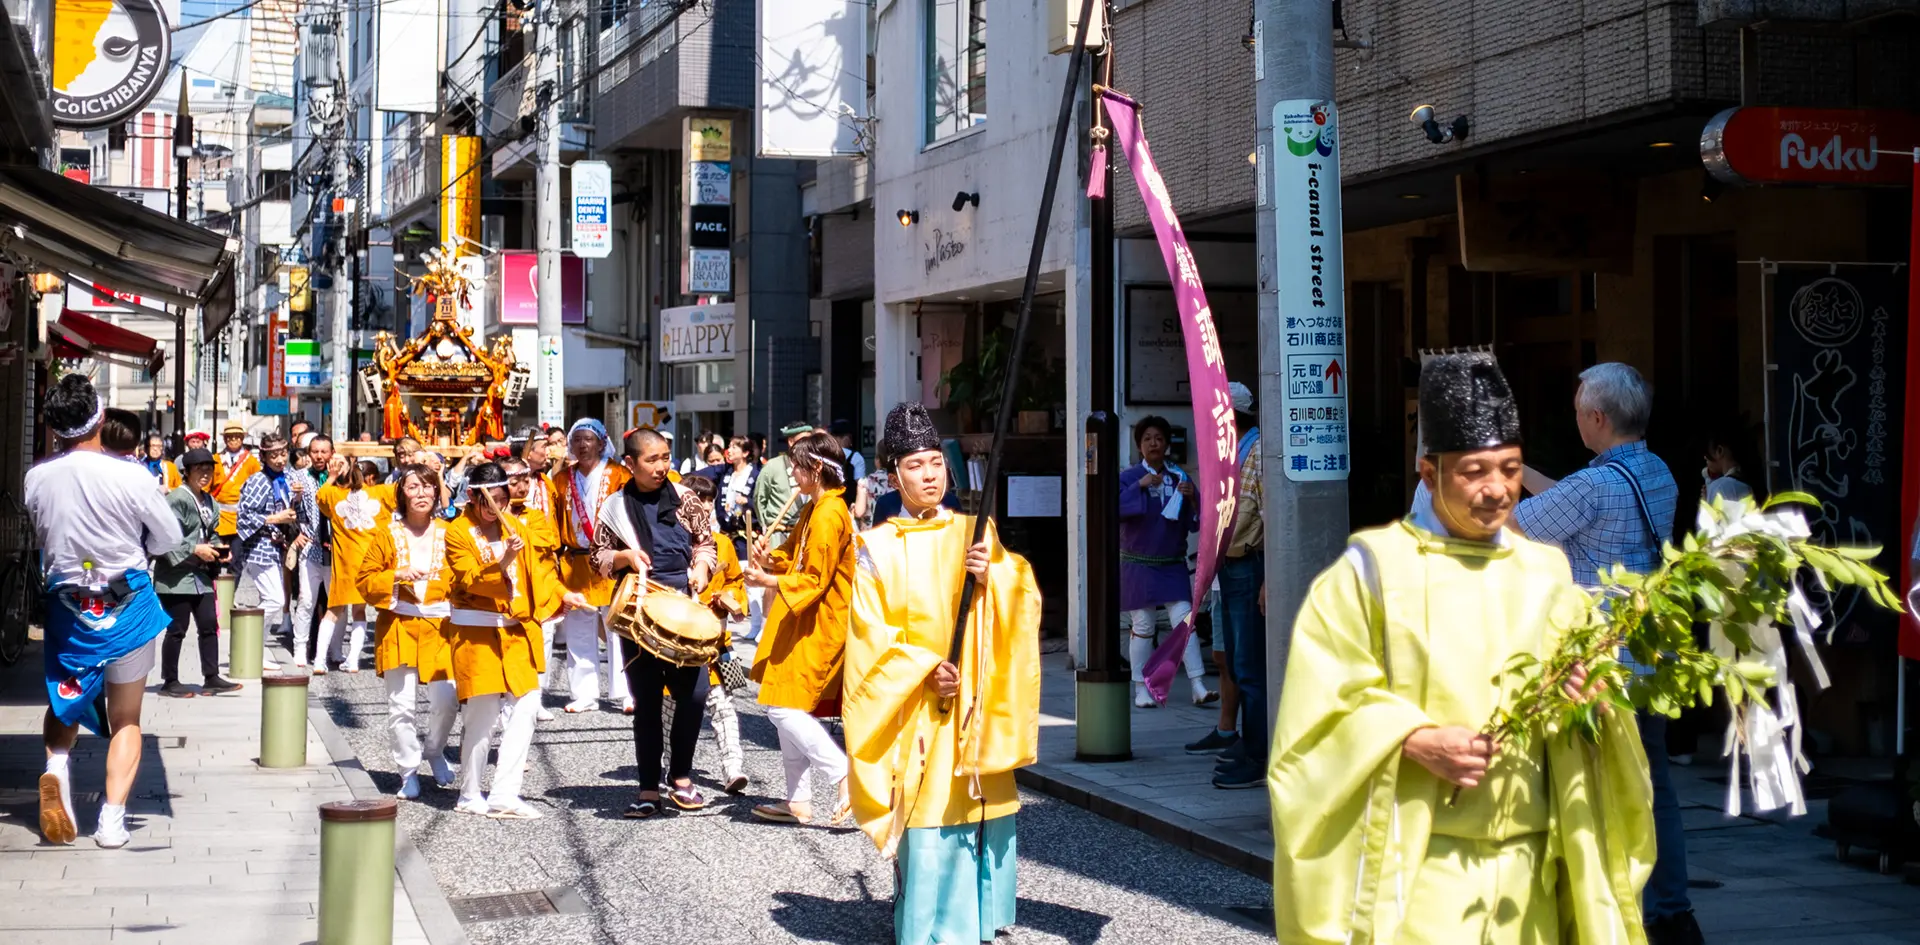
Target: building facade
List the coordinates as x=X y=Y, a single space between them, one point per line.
x=1573 y=223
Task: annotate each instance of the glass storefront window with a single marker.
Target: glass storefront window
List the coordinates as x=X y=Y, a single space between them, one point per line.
x=703 y=377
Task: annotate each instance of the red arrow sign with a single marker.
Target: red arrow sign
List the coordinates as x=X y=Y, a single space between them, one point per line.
x=1333 y=374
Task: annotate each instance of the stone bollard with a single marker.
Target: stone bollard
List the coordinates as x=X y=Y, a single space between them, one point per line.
x=283 y=721
x=223 y=585
x=246 y=645
x=356 y=872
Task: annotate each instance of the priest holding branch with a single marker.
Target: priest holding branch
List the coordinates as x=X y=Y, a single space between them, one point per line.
x=1394 y=817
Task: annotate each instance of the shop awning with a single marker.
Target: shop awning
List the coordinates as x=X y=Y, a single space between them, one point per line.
x=70 y=227
x=82 y=336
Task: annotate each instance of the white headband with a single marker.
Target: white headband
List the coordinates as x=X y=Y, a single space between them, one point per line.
x=93 y=423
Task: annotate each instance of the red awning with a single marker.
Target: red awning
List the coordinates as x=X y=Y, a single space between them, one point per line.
x=83 y=336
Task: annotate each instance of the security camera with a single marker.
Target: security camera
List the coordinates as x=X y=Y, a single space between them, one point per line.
x=1455 y=130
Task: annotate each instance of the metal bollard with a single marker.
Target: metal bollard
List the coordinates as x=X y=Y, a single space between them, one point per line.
x=356 y=872
x=223 y=585
x=1103 y=720
x=283 y=721
x=246 y=645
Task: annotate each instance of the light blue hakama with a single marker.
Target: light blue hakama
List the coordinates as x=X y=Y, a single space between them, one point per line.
x=946 y=892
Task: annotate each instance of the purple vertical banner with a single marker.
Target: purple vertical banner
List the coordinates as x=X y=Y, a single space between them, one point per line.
x=1215 y=437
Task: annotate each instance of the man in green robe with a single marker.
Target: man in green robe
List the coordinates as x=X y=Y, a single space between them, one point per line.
x=1393 y=670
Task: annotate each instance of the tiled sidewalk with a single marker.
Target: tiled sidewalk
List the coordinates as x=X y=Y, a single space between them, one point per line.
x=1759 y=880
x=223 y=850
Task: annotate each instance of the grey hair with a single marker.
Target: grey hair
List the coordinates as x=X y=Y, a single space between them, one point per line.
x=1617 y=390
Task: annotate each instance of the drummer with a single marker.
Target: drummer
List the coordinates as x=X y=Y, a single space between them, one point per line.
x=404 y=576
x=496 y=659
x=661 y=531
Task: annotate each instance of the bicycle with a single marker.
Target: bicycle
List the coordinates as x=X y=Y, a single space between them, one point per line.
x=19 y=568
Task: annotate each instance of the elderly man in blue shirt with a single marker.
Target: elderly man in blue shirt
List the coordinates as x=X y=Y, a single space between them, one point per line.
x=1619 y=509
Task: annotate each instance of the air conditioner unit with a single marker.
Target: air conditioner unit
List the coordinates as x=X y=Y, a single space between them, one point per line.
x=1063 y=18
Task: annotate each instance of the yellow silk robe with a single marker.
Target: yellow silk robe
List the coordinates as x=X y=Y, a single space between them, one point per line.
x=1555 y=844
x=408 y=639
x=911 y=765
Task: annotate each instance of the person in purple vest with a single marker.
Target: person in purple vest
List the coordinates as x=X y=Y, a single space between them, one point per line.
x=1158 y=510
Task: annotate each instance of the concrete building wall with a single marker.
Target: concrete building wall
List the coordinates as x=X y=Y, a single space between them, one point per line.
x=1518 y=69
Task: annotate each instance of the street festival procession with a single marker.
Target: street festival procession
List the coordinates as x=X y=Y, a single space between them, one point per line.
x=601 y=489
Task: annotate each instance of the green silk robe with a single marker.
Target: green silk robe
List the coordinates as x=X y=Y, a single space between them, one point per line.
x=1409 y=630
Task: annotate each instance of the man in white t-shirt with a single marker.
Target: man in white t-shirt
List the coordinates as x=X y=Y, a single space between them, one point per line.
x=98 y=519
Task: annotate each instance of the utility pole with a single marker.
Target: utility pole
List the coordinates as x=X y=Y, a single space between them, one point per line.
x=546 y=241
x=342 y=295
x=341 y=345
x=1103 y=729
x=182 y=149
x=1298 y=234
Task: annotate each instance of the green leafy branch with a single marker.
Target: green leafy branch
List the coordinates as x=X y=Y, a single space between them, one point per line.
x=1737 y=572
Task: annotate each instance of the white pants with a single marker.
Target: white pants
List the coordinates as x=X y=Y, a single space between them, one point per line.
x=584 y=665
x=726 y=730
x=756 y=612
x=269 y=583
x=478 y=721
x=356 y=637
x=1140 y=647
x=313 y=578
x=804 y=745
x=403 y=717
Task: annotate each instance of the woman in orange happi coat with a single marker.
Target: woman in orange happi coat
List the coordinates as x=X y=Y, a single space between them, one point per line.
x=404 y=576
x=810 y=577
x=496 y=642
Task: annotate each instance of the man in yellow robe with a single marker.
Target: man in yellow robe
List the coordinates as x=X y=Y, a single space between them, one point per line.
x=933 y=745
x=1392 y=672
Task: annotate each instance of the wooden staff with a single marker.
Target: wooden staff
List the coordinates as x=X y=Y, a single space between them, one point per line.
x=1004 y=417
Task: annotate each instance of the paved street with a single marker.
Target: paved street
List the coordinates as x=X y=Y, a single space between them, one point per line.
x=225 y=851
x=722 y=876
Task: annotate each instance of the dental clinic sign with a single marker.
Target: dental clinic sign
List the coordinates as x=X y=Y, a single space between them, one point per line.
x=1831 y=146
x=1313 y=319
x=696 y=333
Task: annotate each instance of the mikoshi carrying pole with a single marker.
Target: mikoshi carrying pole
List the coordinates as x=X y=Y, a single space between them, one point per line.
x=990 y=490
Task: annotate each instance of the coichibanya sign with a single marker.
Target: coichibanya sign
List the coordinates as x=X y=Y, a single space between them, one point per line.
x=109 y=59
x=1810 y=146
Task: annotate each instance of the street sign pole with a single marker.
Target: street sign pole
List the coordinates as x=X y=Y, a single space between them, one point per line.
x=548 y=374
x=1304 y=444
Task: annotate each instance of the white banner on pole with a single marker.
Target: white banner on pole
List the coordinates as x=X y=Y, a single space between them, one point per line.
x=590 y=212
x=1306 y=196
x=812 y=91
x=407 y=81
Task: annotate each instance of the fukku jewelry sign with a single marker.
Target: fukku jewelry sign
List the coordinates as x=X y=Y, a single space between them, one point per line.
x=1843 y=146
x=109 y=59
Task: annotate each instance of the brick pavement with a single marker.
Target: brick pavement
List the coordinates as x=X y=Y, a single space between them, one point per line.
x=1761 y=879
x=223 y=850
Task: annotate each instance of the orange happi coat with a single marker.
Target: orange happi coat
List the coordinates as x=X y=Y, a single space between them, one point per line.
x=497 y=644
x=412 y=629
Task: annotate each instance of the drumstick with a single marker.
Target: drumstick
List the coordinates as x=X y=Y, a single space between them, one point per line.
x=779 y=517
